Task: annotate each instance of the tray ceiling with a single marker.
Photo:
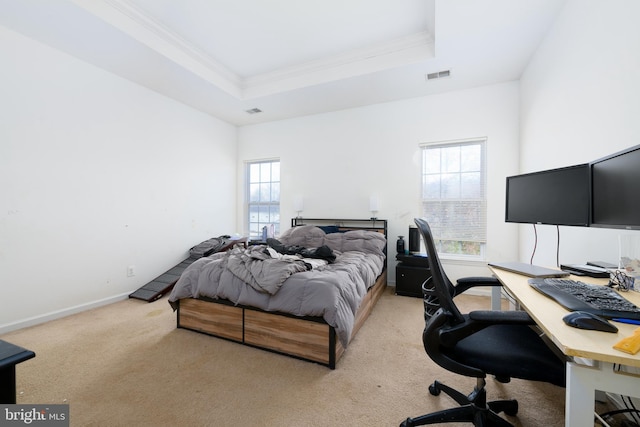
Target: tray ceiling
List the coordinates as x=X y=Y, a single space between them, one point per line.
x=290 y=58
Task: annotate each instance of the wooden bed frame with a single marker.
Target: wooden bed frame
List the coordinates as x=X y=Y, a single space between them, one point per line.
x=307 y=338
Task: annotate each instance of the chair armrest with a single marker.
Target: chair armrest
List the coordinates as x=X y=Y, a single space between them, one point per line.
x=481 y=281
x=494 y=317
x=465 y=283
x=480 y=319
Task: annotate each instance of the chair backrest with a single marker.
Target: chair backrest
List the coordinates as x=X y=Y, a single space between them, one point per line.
x=440 y=325
x=439 y=286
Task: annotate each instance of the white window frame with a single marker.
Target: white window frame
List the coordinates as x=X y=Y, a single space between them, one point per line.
x=433 y=179
x=262 y=209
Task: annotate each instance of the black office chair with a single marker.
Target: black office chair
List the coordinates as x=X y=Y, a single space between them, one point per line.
x=498 y=343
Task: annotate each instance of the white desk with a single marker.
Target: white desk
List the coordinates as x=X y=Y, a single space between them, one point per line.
x=591 y=356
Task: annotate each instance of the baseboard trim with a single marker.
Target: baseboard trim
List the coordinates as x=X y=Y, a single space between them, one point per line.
x=482 y=291
x=58 y=314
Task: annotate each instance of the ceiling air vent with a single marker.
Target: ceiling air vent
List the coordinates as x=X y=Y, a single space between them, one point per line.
x=254 y=111
x=439 y=75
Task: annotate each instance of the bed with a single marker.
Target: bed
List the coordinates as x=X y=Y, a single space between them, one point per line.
x=307 y=299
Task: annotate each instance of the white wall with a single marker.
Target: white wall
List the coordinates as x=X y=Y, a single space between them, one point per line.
x=97 y=174
x=337 y=160
x=580 y=100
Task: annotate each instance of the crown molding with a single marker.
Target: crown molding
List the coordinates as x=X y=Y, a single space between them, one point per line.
x=403 y=51
x=123 y=15
x=134 y=22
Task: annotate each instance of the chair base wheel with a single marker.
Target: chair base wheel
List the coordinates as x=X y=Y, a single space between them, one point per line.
x=434 y=389
x=473 y=408
x=509 y=407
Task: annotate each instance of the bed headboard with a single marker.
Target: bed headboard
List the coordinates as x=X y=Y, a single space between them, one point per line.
x=371 y=224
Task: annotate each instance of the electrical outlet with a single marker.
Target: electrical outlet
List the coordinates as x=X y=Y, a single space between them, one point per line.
x=131 y=271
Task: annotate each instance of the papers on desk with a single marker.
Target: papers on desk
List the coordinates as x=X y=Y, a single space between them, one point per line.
x=629 y=344
x=586 y=270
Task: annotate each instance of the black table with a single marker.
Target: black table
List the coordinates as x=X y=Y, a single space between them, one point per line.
x=10 y=356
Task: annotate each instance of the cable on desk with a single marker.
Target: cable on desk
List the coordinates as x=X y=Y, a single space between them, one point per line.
x=508 y=296
x=535 y=243
x=609 y=414
x=631 y=408
x=558 y=246
x=604 y=423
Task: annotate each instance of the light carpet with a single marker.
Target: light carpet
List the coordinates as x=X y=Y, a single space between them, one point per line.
x=126 y=364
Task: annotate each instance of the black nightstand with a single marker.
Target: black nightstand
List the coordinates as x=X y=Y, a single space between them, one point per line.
x=411 y=272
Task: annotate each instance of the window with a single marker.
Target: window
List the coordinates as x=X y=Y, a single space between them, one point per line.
x=263 y=195
x=453 y=197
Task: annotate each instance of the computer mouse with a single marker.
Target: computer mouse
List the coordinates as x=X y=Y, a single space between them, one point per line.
x=585 y=320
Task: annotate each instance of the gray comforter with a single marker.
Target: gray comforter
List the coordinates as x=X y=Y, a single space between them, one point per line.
x=332 y=291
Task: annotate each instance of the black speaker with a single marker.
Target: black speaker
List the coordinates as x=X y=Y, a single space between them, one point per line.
x=414 y=239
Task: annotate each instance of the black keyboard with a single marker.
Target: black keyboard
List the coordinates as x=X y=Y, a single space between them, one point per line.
x=579 y=296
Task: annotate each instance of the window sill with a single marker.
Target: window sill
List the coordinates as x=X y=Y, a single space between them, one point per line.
x=463 y=261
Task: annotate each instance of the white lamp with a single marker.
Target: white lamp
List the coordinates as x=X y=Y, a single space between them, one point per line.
x=298 y=203
x=373 y=206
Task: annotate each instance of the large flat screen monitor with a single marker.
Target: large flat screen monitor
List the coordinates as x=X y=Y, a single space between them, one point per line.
x=615 y=195
x=556 y=196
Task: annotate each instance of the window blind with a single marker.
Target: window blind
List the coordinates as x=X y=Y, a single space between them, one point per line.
x=453 y=190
